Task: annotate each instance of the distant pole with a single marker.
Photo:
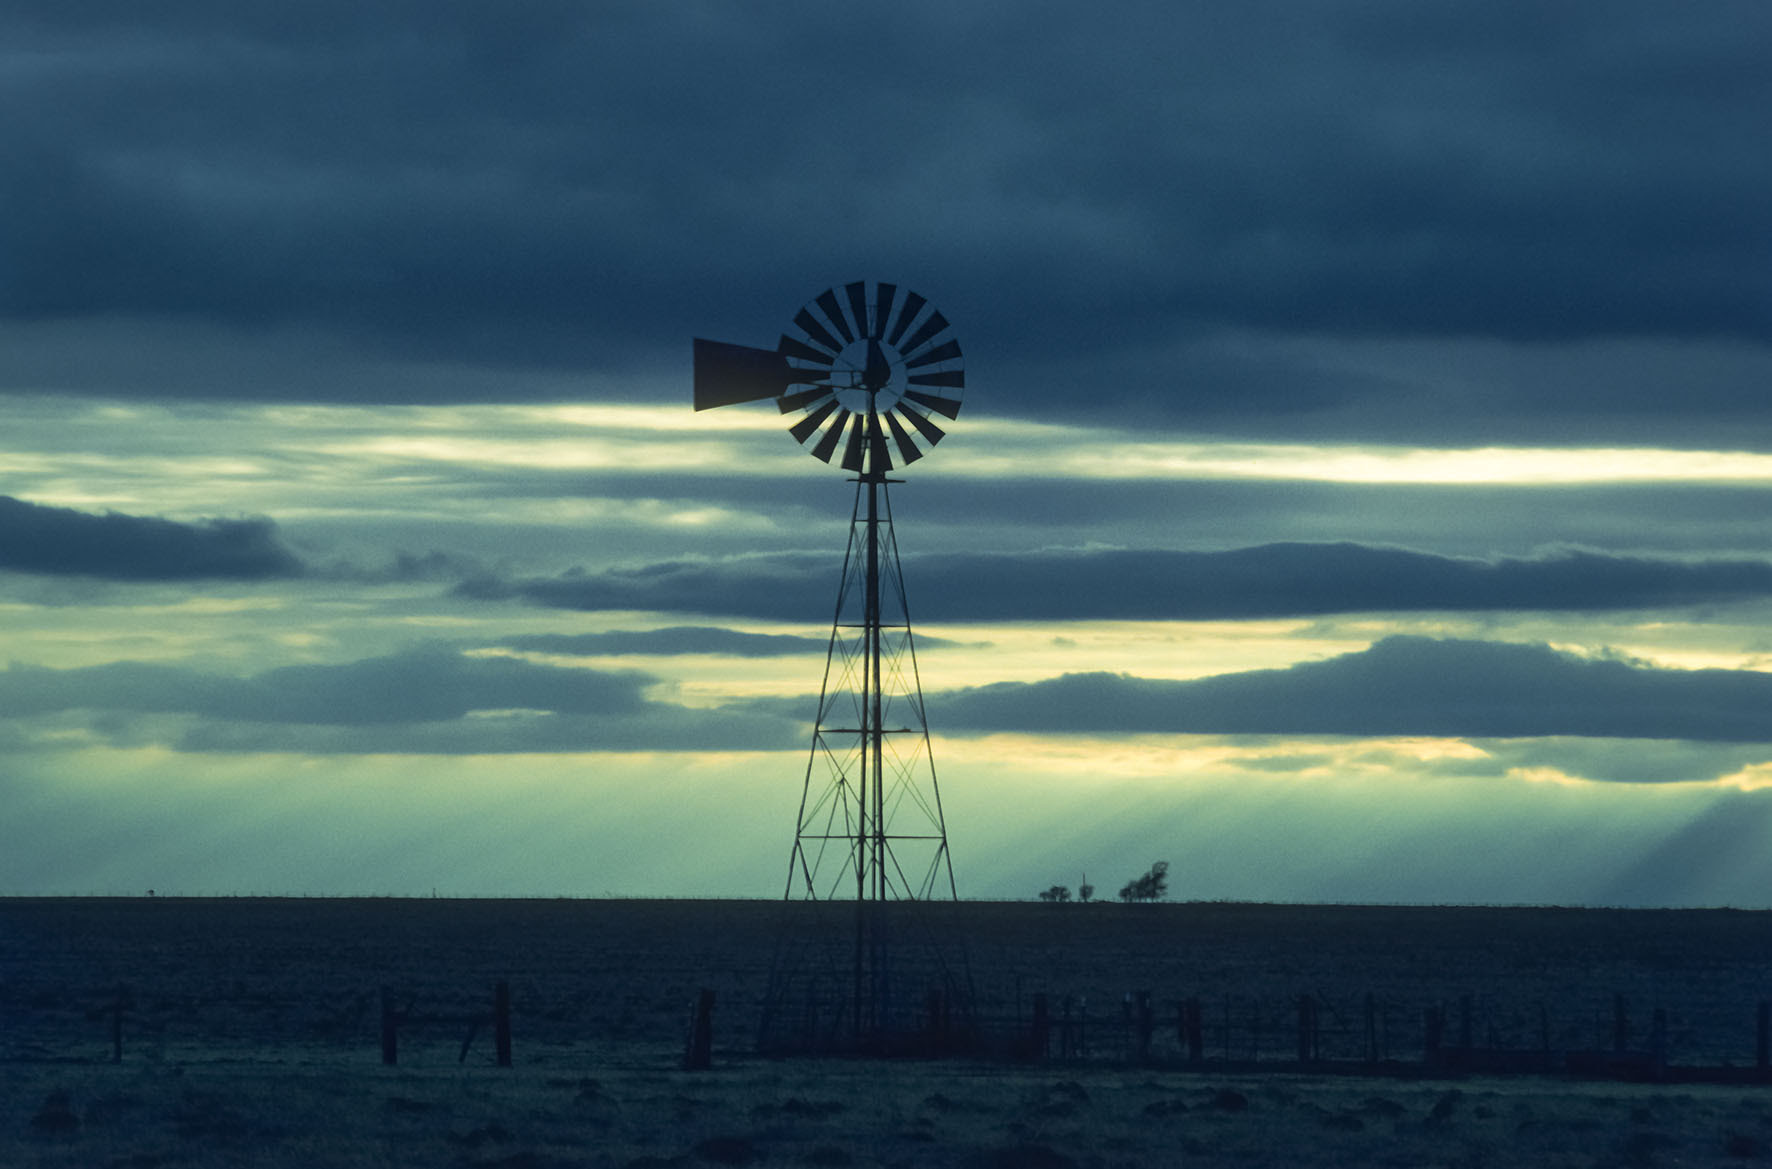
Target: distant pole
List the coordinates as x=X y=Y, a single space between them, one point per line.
x=1039 y=1033
x=700 y=1055
x=117 y=1025
x=390 y=1029
x=501 y=1022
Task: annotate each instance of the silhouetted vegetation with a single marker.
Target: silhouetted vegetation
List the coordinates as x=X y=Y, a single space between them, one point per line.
x=1057 y=893
x=1153 y=886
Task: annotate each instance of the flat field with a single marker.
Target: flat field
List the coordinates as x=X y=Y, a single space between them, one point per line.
x=250 y=1035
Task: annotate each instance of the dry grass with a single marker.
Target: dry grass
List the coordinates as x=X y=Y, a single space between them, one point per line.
x=354 y=1112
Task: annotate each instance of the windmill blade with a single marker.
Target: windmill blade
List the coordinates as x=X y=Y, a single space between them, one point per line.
x=943 y=406
x=827 y=300
x=727 y=374
x=883 y=294
x=791 y=402
x=809 y=324
x=879 y=458
x=929 y=328
x=931 y=433
x=913 y=304
x=852 y=452
x=952 y=378
x=828 y=444
x=808 y=426
x=907 y=450
x=858 y=306
x=946 y=351
x=792 y=347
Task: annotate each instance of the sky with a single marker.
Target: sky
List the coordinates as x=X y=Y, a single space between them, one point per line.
x=1361 y=491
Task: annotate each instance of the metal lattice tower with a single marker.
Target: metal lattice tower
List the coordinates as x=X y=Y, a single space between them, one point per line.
x=865 y=372
x=870 y=816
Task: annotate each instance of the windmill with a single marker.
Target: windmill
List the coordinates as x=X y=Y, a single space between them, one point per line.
x=864 y=373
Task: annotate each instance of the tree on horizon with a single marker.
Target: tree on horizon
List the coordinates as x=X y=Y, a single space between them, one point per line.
x=1152 y=886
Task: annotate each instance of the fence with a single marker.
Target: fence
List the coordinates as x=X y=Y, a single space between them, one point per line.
x=1369 y=1036
x=394 y=1017
x=1355 y=1035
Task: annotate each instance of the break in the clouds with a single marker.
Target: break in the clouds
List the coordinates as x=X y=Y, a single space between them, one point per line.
x=60 y=541
x=1288 y=579
x=1193 y=215
x=1401 y=686
x=674 y=640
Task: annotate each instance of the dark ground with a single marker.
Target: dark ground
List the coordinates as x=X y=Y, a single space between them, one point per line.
x=251 y=1037
x=308 y=972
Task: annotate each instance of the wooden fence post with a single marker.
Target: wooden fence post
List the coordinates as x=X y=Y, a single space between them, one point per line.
x=1146 y=1025
x=117 y=1025
x=390 y=1029
x=937 y=1023
x=501 y=1022
x=1763 y=1040
x=1620 y=1025
x=1193 y=1026
x=700 y=1055
x=1372 y=1054
x=1307 y=1029
x=1433 y=1031
x=1040 y=1030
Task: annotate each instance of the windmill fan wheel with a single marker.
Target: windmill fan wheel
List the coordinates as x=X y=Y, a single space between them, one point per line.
x=866 y=369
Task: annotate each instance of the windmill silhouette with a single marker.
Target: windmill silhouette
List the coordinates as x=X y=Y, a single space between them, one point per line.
x=864 y=372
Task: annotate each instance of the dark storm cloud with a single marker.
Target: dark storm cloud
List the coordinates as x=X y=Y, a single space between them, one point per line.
x=1400 y=686
x=587 y=184
x=428 y=699
x=1272 y=580
x=422 y=685
x=1615 y=760
x=59 y=541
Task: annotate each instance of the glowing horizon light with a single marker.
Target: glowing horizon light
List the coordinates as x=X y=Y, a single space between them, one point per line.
x=1082 y=453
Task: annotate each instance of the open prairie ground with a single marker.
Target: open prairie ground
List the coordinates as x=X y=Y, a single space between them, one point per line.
x=250 y=1035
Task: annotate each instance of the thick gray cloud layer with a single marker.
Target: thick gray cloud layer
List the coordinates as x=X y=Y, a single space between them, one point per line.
x=430 y=699
x=62 y=542
x=1127 y=202
x=433 y=699
x=423 y=685
x=1272 y=580
x=1400 y=686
